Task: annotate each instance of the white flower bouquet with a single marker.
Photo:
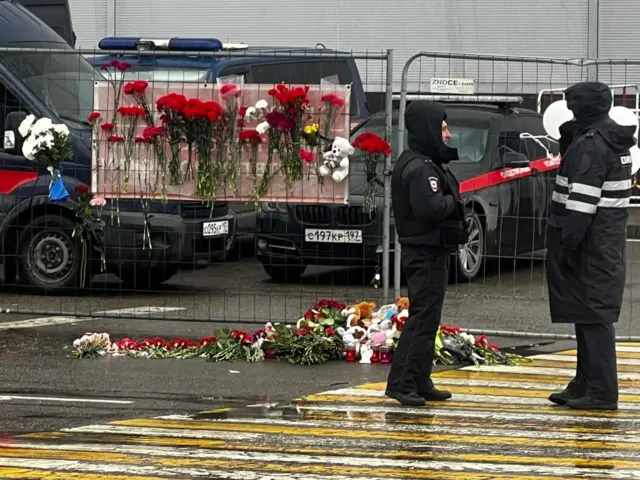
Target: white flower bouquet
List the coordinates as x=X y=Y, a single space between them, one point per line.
x=45 y=142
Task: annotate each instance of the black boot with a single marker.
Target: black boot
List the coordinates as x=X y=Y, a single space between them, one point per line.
x=435 y=395
x=407 y=399
x=589 y=403
x=561 y=398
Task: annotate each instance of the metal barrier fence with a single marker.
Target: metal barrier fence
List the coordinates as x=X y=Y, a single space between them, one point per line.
x=509 y=211
x=268 y=268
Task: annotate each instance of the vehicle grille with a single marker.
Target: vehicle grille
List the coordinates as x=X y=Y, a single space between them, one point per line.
x=313 y=214
x=354 y=216
x=200 y=210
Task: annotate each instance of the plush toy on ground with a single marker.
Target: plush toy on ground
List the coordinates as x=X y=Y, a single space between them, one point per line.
x=360 y=314
x=336 y=160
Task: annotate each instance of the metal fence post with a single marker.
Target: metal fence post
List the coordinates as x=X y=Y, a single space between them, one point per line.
x=386 y=222
x=401 y=126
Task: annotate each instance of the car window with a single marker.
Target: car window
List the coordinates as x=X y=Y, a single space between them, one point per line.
x=510 y=139
x=470 y=138
x=305 y=72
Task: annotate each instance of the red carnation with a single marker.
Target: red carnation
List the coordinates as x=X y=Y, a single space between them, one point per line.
x=333 y=100
x=207 y=341
x=330 y=332
x=115 y=139
x=107 y=127
x=230 y=90
x=242 y=111
x=306 y=155
x=171 y=102
x=152 y=132
x=81 y=188
x=250 y=136
x=138 y=86
x=93 y=116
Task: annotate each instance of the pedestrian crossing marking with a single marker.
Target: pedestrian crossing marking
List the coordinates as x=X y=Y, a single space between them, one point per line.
x=498 y=425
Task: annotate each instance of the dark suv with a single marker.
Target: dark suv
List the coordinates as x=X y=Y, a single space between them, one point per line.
x=506 y=182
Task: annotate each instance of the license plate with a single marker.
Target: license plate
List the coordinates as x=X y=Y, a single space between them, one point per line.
x=333 y=236
x=215 y=229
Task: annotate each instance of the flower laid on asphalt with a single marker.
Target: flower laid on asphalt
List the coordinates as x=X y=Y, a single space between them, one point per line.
x=318 y=337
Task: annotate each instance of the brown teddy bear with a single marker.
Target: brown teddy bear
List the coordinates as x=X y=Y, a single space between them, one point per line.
x=360 y=314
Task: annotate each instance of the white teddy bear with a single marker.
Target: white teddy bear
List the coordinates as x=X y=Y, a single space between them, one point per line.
x=336 y=160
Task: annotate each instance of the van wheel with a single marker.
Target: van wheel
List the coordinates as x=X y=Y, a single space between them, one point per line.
x=147 y=278
x=285 y=273
x=470 y=256
x=49 y=258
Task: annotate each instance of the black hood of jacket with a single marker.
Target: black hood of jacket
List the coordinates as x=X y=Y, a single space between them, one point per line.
x=423 y=120
x=590 y=103
x=567 y=134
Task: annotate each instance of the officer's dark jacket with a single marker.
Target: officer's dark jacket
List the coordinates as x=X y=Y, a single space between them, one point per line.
x=425 y=194
x=588 y=221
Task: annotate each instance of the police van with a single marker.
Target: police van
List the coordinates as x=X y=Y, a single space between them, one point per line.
x=36 y=242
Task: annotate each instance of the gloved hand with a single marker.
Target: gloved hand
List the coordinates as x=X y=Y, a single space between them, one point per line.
x=568 y=258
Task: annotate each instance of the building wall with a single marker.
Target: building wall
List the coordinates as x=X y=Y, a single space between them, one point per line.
x=554 y=28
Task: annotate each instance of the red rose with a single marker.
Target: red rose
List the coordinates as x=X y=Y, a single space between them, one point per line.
x=330 y=332
x=301 y=333
x=269 y=353
x=494 y=347
x=107 y=127
x=93 y=116
x=306 y=155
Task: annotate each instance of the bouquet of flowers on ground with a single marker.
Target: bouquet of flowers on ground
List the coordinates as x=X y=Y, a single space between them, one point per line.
x=91 y=345
x=305 y=346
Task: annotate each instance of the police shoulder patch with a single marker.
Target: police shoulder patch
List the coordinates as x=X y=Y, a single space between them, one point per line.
x=433 y=183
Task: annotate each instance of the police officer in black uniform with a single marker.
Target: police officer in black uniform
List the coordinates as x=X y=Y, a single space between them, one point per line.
x=586 y=241
x=429 y=217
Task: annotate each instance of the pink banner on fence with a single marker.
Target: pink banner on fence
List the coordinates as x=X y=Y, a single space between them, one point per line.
x=146 y=180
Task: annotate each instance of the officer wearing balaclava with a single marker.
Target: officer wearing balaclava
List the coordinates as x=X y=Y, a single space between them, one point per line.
x=586 y=241
x=429 y=218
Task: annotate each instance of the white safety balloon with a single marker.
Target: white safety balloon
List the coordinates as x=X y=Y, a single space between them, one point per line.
x=623 y=116
x=635 y=159
x=554 y=116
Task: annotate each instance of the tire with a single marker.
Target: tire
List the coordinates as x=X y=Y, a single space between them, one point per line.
x=49 y=258
x=469 y=259
x=145 y=278
x=285 y=273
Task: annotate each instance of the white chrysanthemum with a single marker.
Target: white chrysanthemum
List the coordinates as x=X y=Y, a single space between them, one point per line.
x=261 y=105
x=25 y=125
x=262 y=127
x=61 y=129
x=251 y=111
x=42 y=125
x=30 y=148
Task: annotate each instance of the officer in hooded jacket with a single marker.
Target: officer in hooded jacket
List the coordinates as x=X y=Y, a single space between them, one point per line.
x=586 y=240
x=429 y=218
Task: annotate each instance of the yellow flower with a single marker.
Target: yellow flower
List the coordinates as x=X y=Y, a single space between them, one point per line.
x=311 y=129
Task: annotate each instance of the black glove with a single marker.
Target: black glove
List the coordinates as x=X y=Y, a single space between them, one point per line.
x=568 y=258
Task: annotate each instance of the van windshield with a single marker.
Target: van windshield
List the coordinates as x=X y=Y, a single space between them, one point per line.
x=62 y=81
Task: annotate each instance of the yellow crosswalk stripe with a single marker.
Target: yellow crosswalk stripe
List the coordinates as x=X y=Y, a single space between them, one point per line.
x=498 y=425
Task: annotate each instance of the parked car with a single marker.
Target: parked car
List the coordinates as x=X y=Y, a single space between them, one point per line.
x=506 y=183
x=256 y=64
x=36 y=240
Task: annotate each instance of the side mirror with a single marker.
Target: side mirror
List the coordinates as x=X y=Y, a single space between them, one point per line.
x=12 y=139
x=515 y=160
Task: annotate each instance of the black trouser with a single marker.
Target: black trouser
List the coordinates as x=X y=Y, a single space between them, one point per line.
x=596 y=373
x=427 y=273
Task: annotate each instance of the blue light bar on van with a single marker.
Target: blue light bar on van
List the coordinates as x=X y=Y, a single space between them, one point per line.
x=180 y=44
x=195 y=44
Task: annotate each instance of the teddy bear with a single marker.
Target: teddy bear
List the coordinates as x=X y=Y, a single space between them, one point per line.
x=352 y=336
x=359 y=314
x=402 y=308
x=336 y=161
